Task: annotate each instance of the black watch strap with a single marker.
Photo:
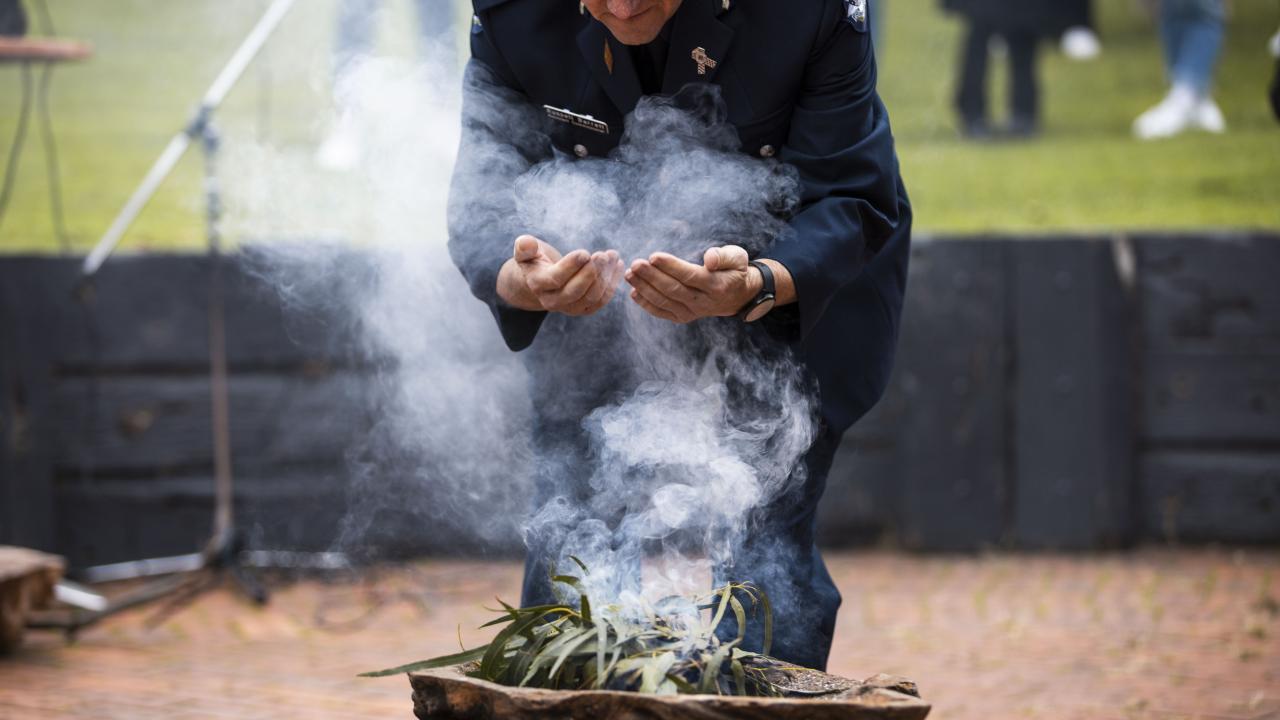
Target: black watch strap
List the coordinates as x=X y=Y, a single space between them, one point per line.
x=763 y=302
x=768 y=288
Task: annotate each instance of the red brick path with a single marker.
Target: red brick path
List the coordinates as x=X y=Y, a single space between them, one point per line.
x=1156 y=634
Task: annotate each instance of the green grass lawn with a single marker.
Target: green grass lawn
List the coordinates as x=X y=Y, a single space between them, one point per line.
x=154 y=58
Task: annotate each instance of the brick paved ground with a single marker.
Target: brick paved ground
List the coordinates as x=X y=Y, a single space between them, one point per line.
x=1156 y=634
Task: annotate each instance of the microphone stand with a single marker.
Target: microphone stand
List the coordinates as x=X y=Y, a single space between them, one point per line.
x=224 y=548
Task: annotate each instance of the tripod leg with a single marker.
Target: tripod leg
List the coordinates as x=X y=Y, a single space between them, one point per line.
x=249 y=584
x=184 y=596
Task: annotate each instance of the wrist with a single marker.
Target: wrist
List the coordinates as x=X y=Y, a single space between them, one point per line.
x=763 y=297
x=783 y=283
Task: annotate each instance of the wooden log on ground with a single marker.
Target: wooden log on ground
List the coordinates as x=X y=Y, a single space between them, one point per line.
x=27 y=579
x=449 y=694
x=953 y=377
x=1072 y=434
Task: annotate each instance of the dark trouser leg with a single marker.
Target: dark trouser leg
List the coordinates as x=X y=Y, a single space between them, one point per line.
x=569 y=518
x=781 y=557
x=1079 y=13
x=971 y=90
x=561 y=480
x=1025 y=90
x=1275 y=93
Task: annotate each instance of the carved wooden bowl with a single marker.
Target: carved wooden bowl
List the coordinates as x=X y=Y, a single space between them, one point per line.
x=450 y=694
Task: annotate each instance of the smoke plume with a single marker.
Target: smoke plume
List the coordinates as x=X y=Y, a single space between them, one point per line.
x=614 y=438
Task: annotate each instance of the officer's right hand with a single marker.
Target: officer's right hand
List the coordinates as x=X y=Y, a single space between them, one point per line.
x=537 y=277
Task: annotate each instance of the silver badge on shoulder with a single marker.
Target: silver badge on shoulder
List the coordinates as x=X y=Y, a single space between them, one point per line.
x=585 y=122
x=856 y=13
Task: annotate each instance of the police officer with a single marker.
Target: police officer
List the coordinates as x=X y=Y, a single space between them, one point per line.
x=798 y=83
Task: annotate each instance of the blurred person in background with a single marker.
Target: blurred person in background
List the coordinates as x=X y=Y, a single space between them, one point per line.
x=1021 y=24
x=877 y=28
x=1275 y=84
x=1191 y=32
x=13 y=21
x=357 y=20
x=1080 y=40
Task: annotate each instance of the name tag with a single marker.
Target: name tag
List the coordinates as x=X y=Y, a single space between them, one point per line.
x=585 y=122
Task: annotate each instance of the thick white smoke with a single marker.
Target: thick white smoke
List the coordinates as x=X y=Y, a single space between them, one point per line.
x=685 y=431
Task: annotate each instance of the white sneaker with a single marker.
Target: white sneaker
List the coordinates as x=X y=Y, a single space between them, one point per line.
x=1081 y=43
x=1172 y=116
x=1208 y=117
x=341 y=149
x=1274 y=44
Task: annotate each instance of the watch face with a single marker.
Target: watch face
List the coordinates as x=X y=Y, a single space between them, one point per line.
x=760 y=310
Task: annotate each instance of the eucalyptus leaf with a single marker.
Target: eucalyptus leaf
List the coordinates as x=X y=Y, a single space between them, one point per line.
x=653 y=649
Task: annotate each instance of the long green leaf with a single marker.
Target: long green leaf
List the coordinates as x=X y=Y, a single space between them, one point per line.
x=489 y=663
x=519 y=666
x=585 y=637
x=768 y=621
x=740 y=614
x=433 y=664
x=584 y=603
x=516 y=613
x=725 y=594
x=602 y=639
x=739 y=676
x=655 y=671
x=548 y=653
x=711 y=673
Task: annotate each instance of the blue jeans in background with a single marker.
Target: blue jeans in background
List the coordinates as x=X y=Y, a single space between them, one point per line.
x=1192 y=32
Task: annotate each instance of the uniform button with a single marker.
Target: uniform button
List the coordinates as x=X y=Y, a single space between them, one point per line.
x=581 y=151
x=768 y=151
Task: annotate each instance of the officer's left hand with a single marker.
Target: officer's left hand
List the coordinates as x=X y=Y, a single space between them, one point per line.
x=672 y=289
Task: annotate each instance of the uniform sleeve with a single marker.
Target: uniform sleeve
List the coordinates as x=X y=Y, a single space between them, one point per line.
x=841 y=144
x=500 y=141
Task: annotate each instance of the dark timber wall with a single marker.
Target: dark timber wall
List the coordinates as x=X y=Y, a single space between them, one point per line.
x=1066 y=393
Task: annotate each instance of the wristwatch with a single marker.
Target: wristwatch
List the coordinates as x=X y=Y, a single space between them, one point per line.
x=764 y=301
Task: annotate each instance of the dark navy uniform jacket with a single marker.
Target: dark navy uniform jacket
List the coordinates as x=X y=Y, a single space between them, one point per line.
x=798 y=78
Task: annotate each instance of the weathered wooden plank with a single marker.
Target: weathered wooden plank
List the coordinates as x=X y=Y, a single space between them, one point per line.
x=114 y=424
x=27 y=514
x=1212 y=398
x=111 y=521
x=1073 y=434
x=1205 y=290
x=952 y=377
x=151 y=311
x=1195 y=496
x=861 y=499
x=860 y=504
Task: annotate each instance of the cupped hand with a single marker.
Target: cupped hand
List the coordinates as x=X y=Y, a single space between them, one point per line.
x=673 y=289
x=538 y=277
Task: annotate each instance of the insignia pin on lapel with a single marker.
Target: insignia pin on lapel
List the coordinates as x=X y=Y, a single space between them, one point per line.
x=704 y=61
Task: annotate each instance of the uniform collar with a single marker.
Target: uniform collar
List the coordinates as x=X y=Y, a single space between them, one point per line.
x=696 y=25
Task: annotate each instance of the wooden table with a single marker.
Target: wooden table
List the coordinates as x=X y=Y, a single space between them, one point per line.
x=27 y=579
